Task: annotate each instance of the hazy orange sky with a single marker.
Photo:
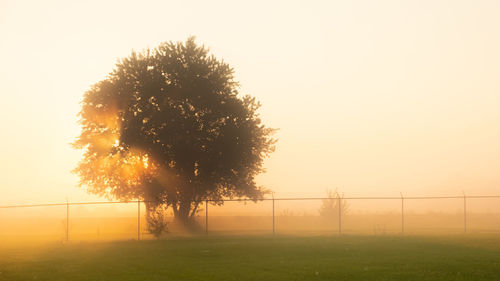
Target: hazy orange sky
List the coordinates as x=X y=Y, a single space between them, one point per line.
x=373 y=97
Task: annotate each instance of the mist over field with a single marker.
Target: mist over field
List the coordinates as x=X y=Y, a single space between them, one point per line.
x=259 y=140
x=302 y=218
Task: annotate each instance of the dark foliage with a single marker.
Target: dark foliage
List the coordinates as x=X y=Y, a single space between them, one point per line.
x=168 y=126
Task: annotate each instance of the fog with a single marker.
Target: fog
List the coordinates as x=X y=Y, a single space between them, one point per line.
x=361 y=216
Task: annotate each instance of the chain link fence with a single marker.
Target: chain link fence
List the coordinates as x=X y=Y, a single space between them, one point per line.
x=82 y=221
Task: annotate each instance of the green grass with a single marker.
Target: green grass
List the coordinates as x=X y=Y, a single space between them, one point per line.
x=262 y=258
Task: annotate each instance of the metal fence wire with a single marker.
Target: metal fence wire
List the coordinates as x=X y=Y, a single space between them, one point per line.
x=270 y=221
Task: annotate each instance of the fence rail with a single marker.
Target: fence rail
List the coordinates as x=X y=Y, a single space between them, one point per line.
x=207 y=203
x=262 y=199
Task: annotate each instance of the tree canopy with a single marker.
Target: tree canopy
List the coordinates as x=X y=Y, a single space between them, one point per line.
x=168 y=126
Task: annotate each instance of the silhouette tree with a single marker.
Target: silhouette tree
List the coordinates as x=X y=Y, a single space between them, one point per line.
x=167 y=126
x=331 y=204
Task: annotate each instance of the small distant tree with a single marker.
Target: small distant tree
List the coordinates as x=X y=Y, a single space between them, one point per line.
x=330 y=205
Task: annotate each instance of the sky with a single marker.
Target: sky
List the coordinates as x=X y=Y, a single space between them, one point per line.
x=371 y=97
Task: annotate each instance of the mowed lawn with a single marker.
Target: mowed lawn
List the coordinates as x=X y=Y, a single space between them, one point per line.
x=261 y=258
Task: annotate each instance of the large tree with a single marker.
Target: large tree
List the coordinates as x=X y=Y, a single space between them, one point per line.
x=168 y=126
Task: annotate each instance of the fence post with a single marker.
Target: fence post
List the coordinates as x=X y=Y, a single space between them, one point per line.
x=340 y=214
x=402 y=214
x=274 y=233
x=465 y=212
x=138 y=219
x=206 y=217
x=67 y=220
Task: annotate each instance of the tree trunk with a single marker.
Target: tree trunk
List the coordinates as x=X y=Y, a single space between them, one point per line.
x=184 y=217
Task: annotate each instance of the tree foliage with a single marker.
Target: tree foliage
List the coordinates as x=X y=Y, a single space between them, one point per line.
x=168 y=126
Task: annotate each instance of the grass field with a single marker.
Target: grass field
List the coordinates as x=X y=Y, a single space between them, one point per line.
x=260 y=258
